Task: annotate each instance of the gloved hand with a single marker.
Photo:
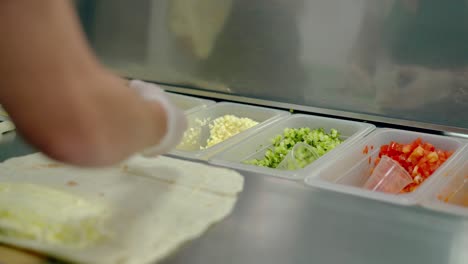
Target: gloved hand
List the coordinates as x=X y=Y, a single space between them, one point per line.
x=176 y=120
x=65 y=104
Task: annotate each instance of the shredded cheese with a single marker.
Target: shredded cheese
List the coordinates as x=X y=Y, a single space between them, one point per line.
x=192 y=135
x=227 y=126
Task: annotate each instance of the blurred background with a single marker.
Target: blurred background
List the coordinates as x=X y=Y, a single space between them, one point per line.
x=399 y=59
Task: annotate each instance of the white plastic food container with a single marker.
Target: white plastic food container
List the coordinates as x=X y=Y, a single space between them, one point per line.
x=350 y=169
x=255 y=146
x=201 y=119
x=188 y=104
x=450 y=193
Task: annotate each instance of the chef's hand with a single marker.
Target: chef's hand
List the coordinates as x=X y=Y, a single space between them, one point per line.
x=176 y=122
x=64 y=102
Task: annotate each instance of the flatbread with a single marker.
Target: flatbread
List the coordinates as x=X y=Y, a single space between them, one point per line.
x=154 y=205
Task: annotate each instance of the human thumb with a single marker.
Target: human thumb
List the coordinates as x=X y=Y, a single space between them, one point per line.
x=176 y=122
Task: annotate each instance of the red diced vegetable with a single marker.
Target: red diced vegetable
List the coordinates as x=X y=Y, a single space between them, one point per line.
x=407 y=149
x=365 y=150
x=432 y=157
x=419 y=158
x=377 y=160
x=429 y=147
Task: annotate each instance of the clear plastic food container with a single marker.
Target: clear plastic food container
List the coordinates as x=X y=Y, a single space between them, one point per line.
x=450 y=193
x=199 y=121
x=255 y=146
x=350 y=169
x=388 y=176
x=189 y=104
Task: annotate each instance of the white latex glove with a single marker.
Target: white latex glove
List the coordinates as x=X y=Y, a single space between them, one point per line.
x=176 y=120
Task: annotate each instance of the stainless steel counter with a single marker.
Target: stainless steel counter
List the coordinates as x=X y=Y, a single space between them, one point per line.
x=279 y=221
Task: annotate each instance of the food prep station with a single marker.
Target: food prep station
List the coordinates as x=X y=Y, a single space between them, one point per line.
x=376 y=71
x=321 y=213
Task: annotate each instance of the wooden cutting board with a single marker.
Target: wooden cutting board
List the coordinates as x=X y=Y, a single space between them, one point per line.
x=14 y=256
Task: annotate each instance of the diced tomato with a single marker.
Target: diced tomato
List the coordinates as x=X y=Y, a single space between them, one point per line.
x=365 y=150
x=419 y=158
x=415 y=143
x=383 y=150
x=433 y=167
x=377 y=160
x=399 y=147
x=442 y=155
x=402 y=159
x=407 y=148
x=426 y=152
x=370 y=160
x=424 y=166
x=418 y=141
x=395 y=148
x=422 y=161
x=410 y=187
x=418 y=152
x=428 y=146
x=432 y=157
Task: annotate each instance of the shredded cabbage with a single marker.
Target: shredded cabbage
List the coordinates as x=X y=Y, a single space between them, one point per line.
x=41 y=214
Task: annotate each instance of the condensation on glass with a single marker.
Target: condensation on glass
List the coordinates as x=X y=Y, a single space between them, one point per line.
x=403 y=59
